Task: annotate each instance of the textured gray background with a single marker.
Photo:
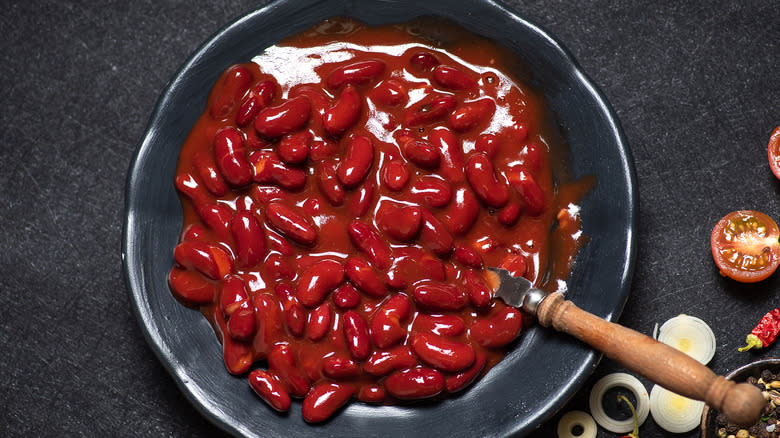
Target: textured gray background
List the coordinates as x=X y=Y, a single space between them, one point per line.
x=696 y=86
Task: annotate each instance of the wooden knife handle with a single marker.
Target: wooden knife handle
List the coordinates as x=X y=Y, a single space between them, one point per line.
x=674 y=370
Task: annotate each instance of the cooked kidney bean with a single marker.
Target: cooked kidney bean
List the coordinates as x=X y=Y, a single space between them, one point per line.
x=230 y=88
x=337 y=231
x=356 y=73
x=258 y=98
x=414 y=383
x=325 y=399
x=270 y=389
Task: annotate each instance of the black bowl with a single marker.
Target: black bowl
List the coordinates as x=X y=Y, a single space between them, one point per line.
x=709 y=424
x=543 y=370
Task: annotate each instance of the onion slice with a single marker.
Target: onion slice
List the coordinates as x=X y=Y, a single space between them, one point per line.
x=621 y=380
x=572 y=419
x=674 y=413
x=690 y=335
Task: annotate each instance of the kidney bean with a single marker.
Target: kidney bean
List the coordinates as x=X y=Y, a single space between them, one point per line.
x=294 y=148
x=217 y=217
x=236 y=355
x=265 y=194
x=319 y=279
x=371 y=393
x=193 y=232
x=430 y=109
x=453 y=78
x=329 y=183
x=510 y=214
x=370 y=243
x=433 y=235
x=268 y=388
x=324 y=400
x=242 y=325
x=258 y=98
x=529 y=191
x=344 y=113
x=492 y=189
x=442 y=353
x=346 y=296
x=515 y=264
x=472 y=114
x=249 y=239
x=422 y=153
x=386 y=329
x=191 y=287
x=364 y=276
x=395 y=175
x=211 y=261
x=295 y=317
x=462 y=213
x=269 y=169
x=230 y=156
x=389 y=93
x=277 y=267
x=498 y=329
x=357 y=335
x=268 y=324
x=423 y=61
x=279 y=244
x=442 y=325
x=232 y=294
x=322 y=149
x=187 y=185
x=468 y=256
x=432 y=190
x=477 y=289
x=319 y=322
x=414 y=383
x=234 y=84
x=281 y=361
x=409 y=270
x=401 y=222
x=289 y=116
x=361 y=200
x=455 y=383
x=356 y=162
x=438 y=296
x=451 y=167
x=312 y=206
x=381 y=363
x=517 y=133
x=291 y=224
x=355 y=73
x=340 y=368
x=487 y=144
x=209 y=174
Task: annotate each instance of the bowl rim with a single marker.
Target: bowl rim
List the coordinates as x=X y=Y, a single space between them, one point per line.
x=130 y=264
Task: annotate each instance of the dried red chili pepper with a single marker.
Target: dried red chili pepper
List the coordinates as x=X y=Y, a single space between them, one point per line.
x=765 y=332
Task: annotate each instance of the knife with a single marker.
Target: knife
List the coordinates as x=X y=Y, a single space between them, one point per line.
x=742 y=403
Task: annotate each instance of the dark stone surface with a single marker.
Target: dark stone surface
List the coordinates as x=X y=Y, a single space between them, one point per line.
x=696 y=87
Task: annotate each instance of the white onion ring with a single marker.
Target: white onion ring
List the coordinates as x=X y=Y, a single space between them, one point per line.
x=572 y=419
x=690 y=335
x=674 y=413
x=628 y=382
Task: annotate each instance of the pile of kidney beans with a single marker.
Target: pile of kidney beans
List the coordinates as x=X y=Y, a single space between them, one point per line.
x=336 y=234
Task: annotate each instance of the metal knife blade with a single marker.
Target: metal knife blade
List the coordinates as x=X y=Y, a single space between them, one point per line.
x=518 y=291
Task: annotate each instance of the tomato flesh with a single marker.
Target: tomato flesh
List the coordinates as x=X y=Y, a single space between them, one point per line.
x=745 y=246
x=774 y=152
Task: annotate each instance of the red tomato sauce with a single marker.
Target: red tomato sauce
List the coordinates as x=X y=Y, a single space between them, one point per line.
x=343 y=195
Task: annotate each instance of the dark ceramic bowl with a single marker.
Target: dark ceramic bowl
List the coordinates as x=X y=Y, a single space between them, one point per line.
x=709 y=425
x=543 y=370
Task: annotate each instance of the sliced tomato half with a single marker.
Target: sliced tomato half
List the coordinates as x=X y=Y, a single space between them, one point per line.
x=774 y=152
x=745 y=246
